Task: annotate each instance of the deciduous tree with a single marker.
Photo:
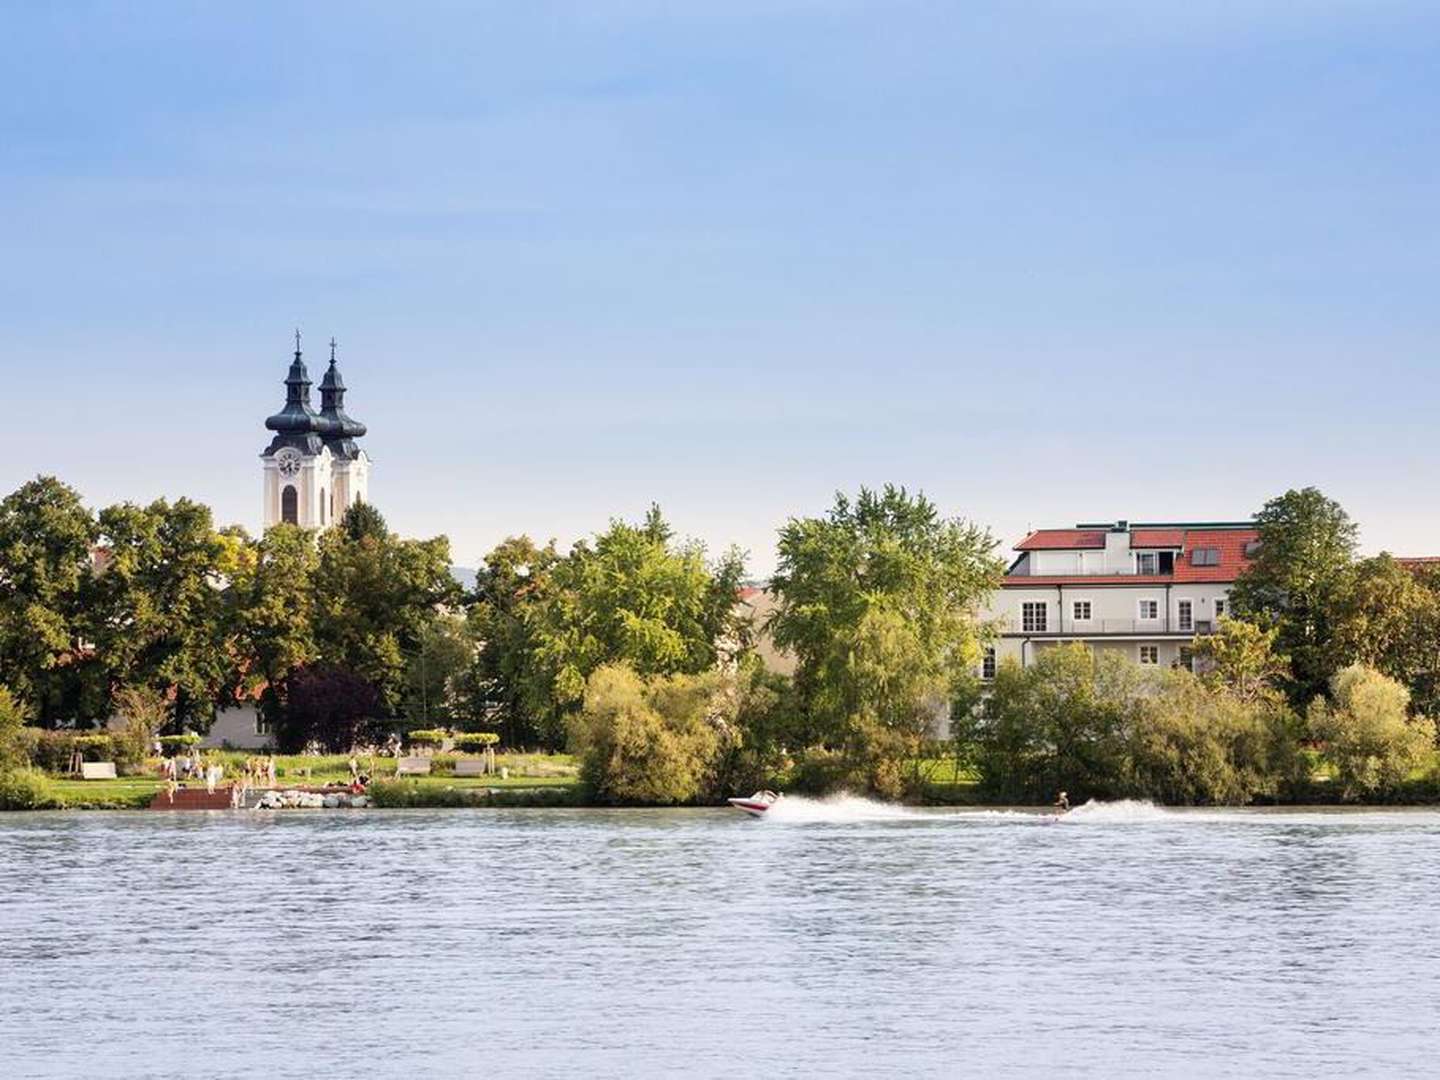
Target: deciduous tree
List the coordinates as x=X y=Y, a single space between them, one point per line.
x=634 y=597
x=46 y=536
x=1367 y=734
x=879 y=601
x=1294 y=582
x=159 y=610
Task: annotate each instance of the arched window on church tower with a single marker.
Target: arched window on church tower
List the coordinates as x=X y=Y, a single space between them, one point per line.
x=289 y=506
x=323 y=506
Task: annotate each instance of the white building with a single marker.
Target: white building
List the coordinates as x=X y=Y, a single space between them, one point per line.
x=1145 y=590
x=314 y=471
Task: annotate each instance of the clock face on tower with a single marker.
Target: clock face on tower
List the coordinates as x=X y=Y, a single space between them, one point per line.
x=288 y=462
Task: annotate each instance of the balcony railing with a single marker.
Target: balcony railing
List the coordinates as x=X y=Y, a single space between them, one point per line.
x=1098 y=627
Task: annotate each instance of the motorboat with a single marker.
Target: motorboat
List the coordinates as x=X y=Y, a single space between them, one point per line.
x=756 y=805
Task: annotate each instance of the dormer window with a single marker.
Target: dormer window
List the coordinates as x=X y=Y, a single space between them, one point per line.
x=1147 y=562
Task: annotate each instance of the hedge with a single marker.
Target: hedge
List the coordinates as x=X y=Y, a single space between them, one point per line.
x=428 y=736
x=476 y=740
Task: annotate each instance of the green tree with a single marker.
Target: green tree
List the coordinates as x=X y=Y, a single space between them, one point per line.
x=1367 y=734
x=879 y=602
x=374 y=596
x=1067 y=722
x=1240 y=657
x=1294 y=582
x=12 y=720
x=437 y=679
x=160 y=612
x=1388 y=618
x=645 y=741
x=1199 y=742
x=46 y=537
x=509 y=680
x=635 y=597
x=275 y=602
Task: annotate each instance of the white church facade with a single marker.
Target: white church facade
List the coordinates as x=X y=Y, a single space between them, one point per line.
x=314 y=470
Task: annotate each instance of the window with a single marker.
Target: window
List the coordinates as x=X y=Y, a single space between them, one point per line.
x=262 y=726
x=1219 y=608
x=1149 y=610
x=1149 y=654
x=323 y=506
x=1205 y=557
x=1032 y=617
x=987 y=664
x=1185 y=614
x=1147 y=562
x=1080 y=611
x=289 y=506
x=1187 y=658
x=1252 y=548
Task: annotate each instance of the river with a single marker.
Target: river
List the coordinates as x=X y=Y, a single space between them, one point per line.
x=840 y=939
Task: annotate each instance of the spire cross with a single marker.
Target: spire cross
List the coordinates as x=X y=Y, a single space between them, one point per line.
x=332 y=349
x=297 y=341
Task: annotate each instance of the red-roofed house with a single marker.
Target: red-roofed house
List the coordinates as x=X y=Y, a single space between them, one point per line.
x=1144 y=589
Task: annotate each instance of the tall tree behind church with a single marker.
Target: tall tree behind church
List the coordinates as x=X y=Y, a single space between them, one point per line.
x=374 y=595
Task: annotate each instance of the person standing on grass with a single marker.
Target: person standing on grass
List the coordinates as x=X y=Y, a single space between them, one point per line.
x=270 y=770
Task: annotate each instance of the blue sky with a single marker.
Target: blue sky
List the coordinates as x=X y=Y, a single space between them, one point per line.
x=1052 y=261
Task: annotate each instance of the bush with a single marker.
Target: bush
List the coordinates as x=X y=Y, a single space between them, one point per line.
x=400 y=794
x=409 y=794
x=476 y=740
x=645 y=741
x=13 y=746
x=174 y=743
x=1366 y=733
x=52 y=751
x=1064 y=723
x=27 y=789
x=1194 y=744
x=427 y=737
x=1099 y=726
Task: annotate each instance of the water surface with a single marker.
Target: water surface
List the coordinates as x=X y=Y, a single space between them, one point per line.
x=838 y=940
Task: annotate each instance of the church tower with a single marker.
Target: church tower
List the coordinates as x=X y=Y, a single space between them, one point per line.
x=313 y=469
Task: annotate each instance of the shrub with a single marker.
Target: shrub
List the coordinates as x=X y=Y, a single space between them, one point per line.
x=476 y=740
x=1198 y=744
x=1065 y=722
x=174 y=743
x=1367 y=735
x=27 y=789
x=644 y=741
x=399 y=794
x=427 y=736
x=13 y=746
x=52 y=751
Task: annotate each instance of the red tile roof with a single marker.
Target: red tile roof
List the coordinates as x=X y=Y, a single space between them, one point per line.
x=1157 y=538
x=1062 y=539
x=1230 y=543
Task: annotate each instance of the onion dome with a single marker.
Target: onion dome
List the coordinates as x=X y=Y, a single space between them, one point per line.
x=337 y=429
x=297 y=424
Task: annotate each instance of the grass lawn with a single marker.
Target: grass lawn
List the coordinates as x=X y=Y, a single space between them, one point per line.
x=128 y=792
x=557 y=771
